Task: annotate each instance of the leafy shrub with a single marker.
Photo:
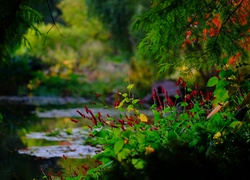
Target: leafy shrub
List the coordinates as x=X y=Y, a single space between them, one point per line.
x=206 y=140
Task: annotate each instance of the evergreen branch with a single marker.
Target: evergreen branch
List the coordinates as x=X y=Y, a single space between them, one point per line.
x=227 y=19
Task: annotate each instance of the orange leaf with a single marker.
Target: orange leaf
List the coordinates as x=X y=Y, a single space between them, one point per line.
x=214 y=111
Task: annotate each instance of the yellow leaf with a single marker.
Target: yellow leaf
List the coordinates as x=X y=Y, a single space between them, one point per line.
x=149 y=150
x=143 y=118
x=217 y=135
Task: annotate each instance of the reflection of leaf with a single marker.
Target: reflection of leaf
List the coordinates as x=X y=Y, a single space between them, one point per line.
x=212 y=81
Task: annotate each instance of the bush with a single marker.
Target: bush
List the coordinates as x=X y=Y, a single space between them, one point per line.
x=206 y=140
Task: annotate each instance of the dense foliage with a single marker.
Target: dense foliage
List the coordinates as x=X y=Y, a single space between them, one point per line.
x=15 y=19
x=196 y=140
x=195 y=33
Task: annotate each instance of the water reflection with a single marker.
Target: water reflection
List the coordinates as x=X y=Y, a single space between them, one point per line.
x=14 y=166
x=40 y=145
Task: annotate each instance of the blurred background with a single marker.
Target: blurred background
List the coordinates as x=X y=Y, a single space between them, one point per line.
x=84 y=47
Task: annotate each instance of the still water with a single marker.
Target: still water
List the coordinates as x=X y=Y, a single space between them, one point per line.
x=31 y=148
x=41 y=145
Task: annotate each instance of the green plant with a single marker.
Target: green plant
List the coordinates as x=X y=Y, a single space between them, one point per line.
x=134 y=147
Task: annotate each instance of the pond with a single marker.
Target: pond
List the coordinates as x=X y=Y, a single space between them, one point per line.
x=35 y=144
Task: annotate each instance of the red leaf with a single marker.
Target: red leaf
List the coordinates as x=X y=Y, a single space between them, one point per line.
x=74 y=120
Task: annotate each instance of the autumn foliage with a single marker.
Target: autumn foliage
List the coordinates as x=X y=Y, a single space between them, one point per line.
x=196 y=34
x=239 y=17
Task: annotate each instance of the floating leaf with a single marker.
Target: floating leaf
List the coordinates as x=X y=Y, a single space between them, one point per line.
x=212 y=81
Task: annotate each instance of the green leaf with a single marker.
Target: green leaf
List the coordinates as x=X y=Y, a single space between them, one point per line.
x=126 y=99
x=116 y=132
x=222 y=96
x=130 y=107
x=110 y=119
x=212 y=81
x=184 y=104
x=120 y=104
x=183 y=116
x=236 y=125
x=172 y=135
x=135 y=101
x=129 y=87
x=123 y=154
x=124 y=94
x=138 y=163
x=193 y=143
x=140 y=138
x=118 y=146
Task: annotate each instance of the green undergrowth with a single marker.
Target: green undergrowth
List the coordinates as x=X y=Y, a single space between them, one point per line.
x=206 y=135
